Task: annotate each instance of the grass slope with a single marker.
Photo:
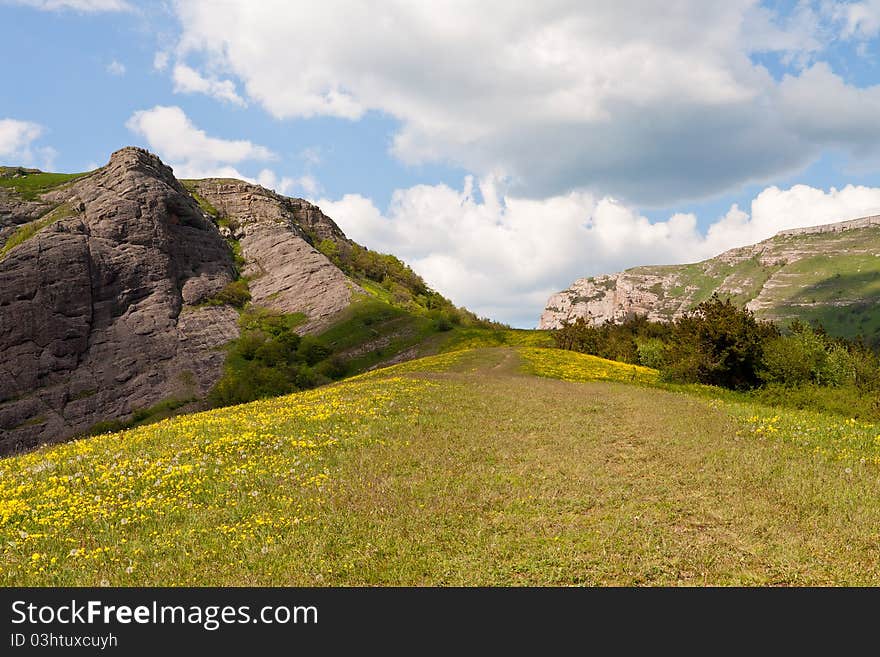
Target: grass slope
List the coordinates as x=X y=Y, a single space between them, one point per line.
x=834 y=279
x=463 y=468
x=30 y=185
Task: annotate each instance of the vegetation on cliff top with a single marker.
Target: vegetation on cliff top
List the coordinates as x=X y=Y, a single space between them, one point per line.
x=832 y=278
x=30 y=184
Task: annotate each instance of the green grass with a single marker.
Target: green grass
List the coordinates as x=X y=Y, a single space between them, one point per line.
x=144 y=416
x=33 y=185
x=474 y=337
x=459 y=469
x=749 y=276
x=236 y=294
x=696 y=276
x=372 y=331
x=204 y=204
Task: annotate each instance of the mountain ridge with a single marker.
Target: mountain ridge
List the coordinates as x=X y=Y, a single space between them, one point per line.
x=828 y=273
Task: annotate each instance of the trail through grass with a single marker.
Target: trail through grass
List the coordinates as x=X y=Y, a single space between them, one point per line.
x=459 y=469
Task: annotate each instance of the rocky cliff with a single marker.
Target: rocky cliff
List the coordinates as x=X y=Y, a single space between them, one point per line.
x=286 y=272
x=829 y=274
x=103 y=283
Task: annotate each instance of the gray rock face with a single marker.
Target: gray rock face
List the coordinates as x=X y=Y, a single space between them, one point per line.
x=98 y=311
x=101 y=309
x=249 y=203
x=286 y=272
x=15 y=211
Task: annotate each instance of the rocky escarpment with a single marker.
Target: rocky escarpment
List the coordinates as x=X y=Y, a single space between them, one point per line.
x=828 y=273
x=113 y=285
x=285 y=271
x=99 y=309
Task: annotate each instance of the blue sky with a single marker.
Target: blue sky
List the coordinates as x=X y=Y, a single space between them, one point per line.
x=502 y=151
x=65 y=85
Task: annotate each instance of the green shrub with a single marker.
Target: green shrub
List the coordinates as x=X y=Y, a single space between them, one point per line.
x=793 y=360
x=846 y=401
x=312 y=351
x=838 y=368
x=268 y=359
x=334 y=367
x=718 y=344
x=651 y=352
x=236 y=294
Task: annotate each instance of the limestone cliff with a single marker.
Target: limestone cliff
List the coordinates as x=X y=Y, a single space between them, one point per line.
x=827 y=273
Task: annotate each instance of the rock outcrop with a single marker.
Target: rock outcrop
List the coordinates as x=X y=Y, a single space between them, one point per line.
x=285 y=271
x=102 y=308
x=99 y=310
x=827 y=273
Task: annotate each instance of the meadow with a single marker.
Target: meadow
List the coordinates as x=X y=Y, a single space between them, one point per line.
x=508 y=465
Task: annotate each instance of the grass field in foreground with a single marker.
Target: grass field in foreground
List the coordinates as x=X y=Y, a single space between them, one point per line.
x=463 y=468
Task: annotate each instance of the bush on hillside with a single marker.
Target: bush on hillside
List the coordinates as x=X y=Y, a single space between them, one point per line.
x=269 y=359
x=720 y=344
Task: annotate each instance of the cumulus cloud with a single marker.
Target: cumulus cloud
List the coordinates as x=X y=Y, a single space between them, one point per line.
x=192 y=153
x=503 y=256
x=651 y=102
x=187 y=80
x=859 y=20
x=85 y=6
x=169 y=132
x=823 y=108
x=116 y=68
x=16 y=136
x=17 y=144
x=305 y=184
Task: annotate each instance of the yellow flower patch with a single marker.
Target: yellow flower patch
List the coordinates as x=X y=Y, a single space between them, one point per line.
x=215 y=484
x=577 y=367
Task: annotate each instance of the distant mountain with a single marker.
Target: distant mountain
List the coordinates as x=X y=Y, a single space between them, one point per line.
x=829 y=274
x=120 y=288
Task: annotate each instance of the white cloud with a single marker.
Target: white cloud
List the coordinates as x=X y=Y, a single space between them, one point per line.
x=306 y=184
x=503 y=256
x=16 y=137
x=311 y=156
x=652 y=102
x=859 y=20
x=85 y=6
x=116 y=68
x=170 y=133
x=187 y=80
x=17 y=144
x=823 y=108
x=160 y=60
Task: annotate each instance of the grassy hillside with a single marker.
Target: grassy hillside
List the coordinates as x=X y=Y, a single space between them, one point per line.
x=481 y=466
x=30 y=183
x=828 y=277
x=832 y=278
